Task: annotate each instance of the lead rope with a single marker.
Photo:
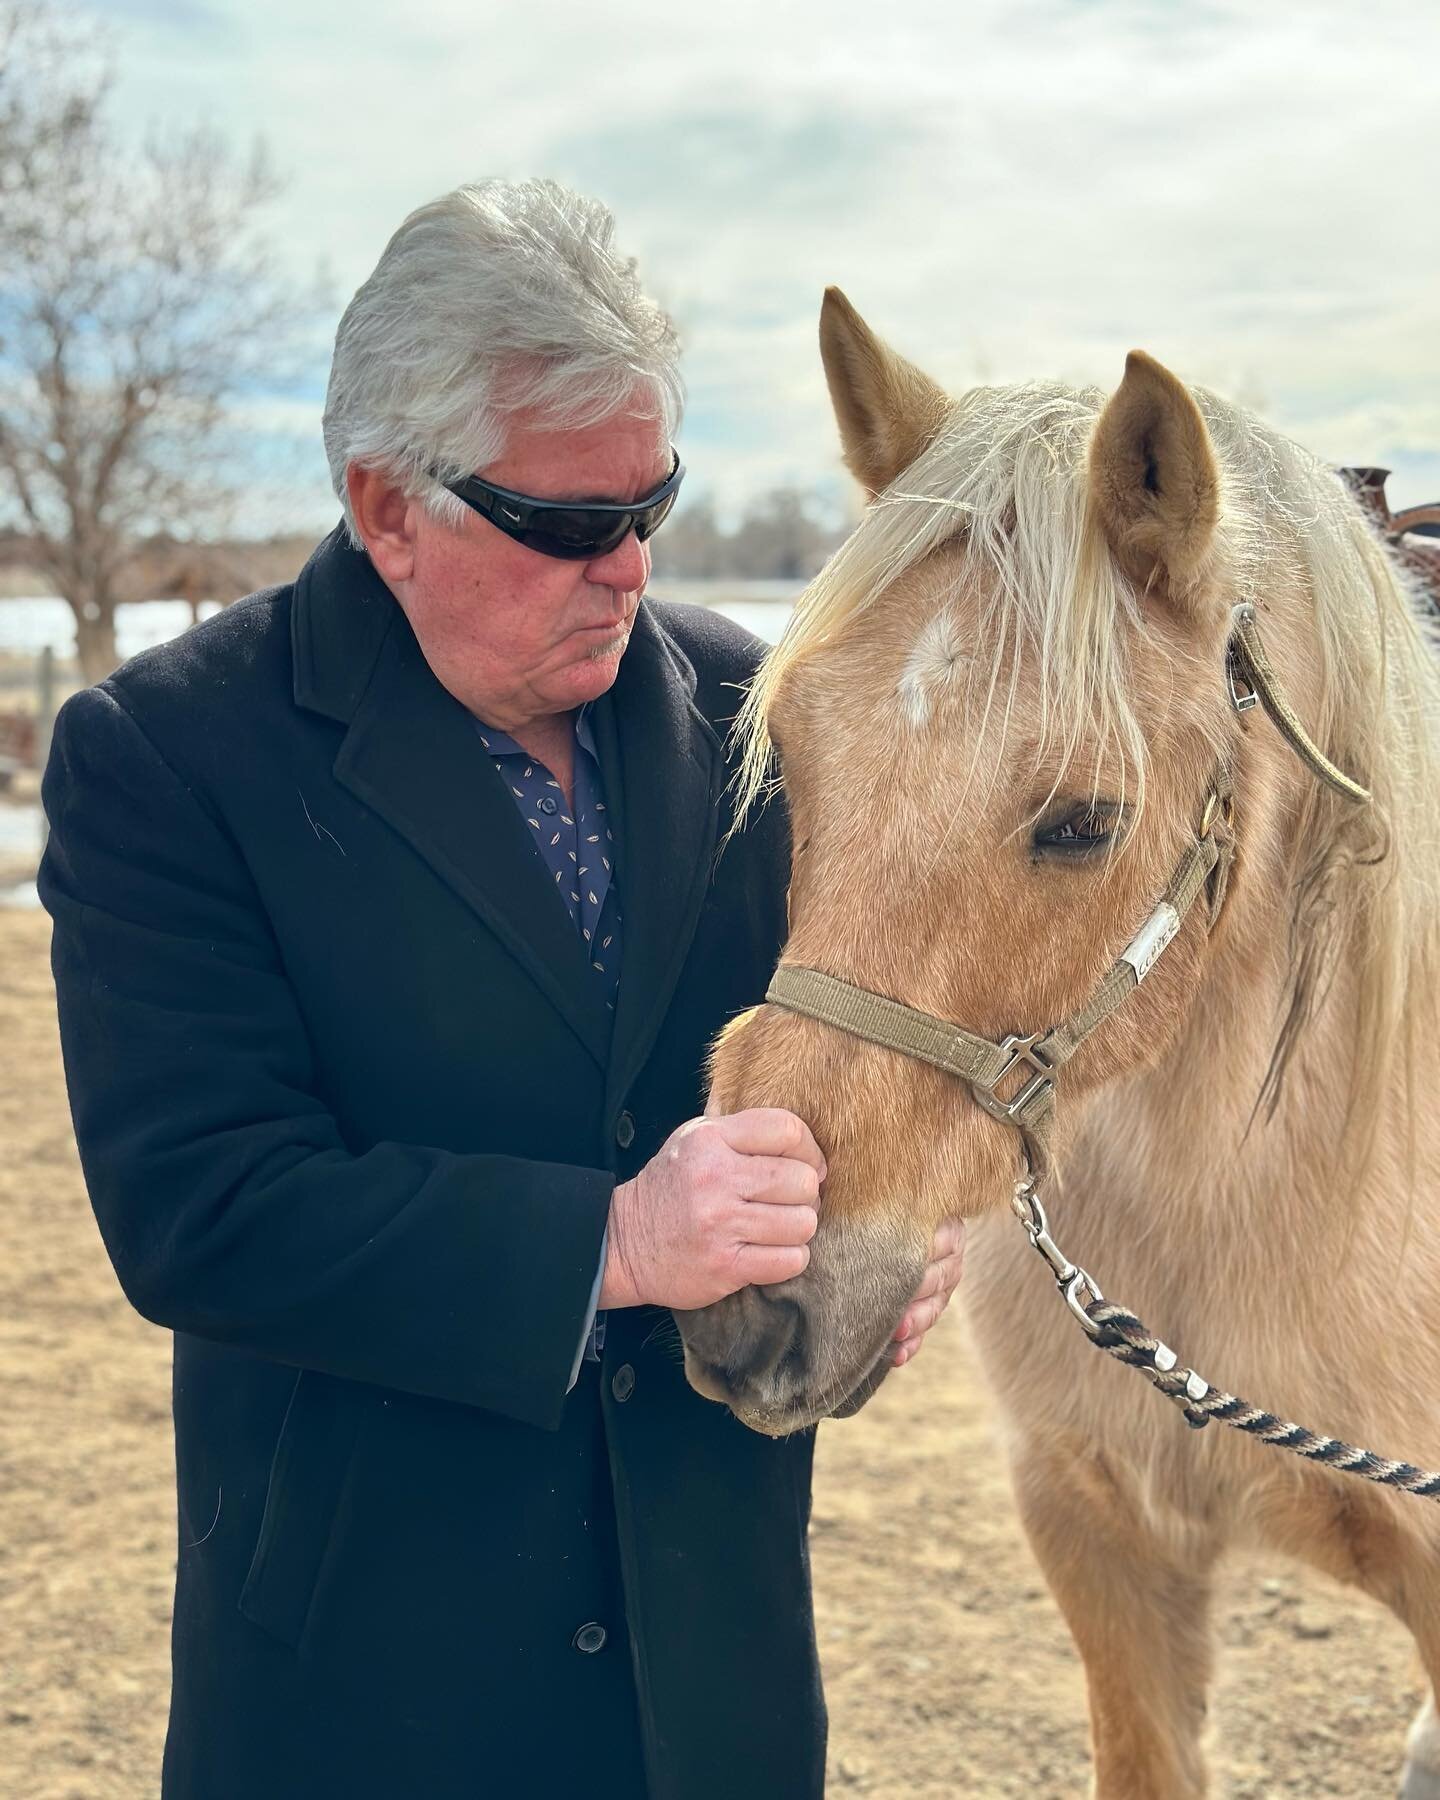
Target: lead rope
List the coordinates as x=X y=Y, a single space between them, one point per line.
x=1120 y=1331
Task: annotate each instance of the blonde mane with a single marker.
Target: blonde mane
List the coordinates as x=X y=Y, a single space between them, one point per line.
x=1008 y=472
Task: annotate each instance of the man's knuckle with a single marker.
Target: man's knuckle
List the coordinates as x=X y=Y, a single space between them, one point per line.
x=711 y=1169
x=712 y=1214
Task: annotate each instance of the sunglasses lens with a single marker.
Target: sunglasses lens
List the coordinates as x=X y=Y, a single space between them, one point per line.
x=575 y=533
x=655 y=516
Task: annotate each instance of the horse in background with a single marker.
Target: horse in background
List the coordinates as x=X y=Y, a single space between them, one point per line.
x=998 y=711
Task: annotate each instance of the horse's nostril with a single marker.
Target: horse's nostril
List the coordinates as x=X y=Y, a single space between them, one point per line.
x=792 y=1358
x=773 y=1341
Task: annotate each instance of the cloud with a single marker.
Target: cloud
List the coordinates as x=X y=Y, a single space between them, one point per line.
x=191 y=16
x=1005 y=189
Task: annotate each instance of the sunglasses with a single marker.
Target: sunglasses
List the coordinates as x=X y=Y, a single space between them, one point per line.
x=562 y=528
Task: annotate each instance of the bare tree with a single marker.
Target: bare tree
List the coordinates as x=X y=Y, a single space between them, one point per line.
x=138 y=297
x=692 y=546
x=784 y=534
x=781 y=535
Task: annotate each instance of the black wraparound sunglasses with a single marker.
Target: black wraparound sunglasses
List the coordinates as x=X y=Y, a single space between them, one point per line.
x=564 y=528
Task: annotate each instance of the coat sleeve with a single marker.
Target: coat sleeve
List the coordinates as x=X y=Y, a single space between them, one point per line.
x=229 y=1204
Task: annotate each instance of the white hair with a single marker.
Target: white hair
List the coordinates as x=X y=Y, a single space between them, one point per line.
x=496 y=296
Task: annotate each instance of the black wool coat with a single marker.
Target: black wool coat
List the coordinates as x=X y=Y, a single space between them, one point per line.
x=350 y=1116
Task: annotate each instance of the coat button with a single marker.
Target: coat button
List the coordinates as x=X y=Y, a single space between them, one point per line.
x=625 y=1131
x=622 y=1382
x=547 y=804
x=589 y=1638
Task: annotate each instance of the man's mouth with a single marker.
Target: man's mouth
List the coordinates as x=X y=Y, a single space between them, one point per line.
x=616 y=637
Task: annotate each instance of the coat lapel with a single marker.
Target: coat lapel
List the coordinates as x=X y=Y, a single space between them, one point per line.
x=663 y=769
x=411 y=754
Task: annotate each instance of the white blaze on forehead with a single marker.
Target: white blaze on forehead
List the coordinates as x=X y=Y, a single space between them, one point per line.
x=938 y=655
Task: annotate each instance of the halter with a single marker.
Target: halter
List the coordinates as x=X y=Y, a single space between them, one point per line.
x=1037 y=1060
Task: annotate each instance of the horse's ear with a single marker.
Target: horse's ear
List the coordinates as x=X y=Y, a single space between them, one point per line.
x=1153 y=477
x=887 y=409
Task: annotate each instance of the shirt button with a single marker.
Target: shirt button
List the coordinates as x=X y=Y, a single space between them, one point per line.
x=625 y=1131
x=590 y=1638
x=622 y=1383
x=547 y=803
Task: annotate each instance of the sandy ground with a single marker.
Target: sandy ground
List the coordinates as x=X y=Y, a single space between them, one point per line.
x=947 y=1668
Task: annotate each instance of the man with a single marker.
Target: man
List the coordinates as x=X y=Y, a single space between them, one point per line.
x=391 y=927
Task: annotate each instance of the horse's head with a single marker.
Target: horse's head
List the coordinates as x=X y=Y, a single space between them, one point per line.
x=998 y=713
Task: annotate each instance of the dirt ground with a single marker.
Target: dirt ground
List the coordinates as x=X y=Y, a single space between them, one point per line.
x=946 y=1665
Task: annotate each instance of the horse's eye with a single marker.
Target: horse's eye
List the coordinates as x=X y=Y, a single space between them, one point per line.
x=1078 y=829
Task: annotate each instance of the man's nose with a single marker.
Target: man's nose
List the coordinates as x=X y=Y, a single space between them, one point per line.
x=626 y=568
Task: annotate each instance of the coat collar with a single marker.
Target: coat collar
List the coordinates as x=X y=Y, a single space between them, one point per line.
x=664 y=769
x=340 y=614
x=412 y=755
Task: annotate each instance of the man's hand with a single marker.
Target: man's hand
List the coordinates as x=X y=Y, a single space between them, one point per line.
x=939 y=1282
x=730 y=1200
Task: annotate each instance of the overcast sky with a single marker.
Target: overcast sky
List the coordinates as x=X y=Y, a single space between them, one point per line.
x=1005 y=190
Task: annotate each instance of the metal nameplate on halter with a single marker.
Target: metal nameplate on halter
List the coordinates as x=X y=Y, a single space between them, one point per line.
x=1244 y=695
x=1143 y=950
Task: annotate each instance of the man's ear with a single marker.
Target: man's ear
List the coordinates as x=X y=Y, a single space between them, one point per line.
x=886 y=408
x=1154 y=482
x=384 y=519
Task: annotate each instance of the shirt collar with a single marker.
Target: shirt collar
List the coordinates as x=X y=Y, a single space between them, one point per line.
x=500 y=743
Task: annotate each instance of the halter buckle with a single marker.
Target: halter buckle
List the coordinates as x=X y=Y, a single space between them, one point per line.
x=1244 y=693
x=1242 y=696
x=1018 y=1051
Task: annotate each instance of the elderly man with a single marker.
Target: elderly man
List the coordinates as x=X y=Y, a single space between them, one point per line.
x=392 y=921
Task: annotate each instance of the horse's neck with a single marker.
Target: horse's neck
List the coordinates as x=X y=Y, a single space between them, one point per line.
x=1188 y=1145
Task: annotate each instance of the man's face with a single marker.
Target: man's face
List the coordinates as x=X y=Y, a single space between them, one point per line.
x=515 y=635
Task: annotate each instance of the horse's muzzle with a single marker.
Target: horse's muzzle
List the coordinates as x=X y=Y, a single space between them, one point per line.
x=811 y=1348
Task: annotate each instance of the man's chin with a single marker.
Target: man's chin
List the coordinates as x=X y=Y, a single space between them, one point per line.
x=592 y=673
x=589 y=673
x=612 y=648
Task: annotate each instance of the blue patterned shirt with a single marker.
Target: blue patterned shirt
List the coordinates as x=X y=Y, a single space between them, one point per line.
x=578 y=848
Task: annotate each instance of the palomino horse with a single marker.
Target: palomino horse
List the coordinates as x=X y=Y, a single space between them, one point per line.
x=1004 y=718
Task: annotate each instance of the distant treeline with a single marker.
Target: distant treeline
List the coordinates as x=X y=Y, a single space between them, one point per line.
x=166 y=568
x=783 y=535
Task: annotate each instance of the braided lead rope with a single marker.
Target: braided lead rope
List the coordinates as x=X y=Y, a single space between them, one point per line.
x=1119 y=1331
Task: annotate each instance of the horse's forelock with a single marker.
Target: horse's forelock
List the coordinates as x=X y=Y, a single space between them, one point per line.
x=1009 y=474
